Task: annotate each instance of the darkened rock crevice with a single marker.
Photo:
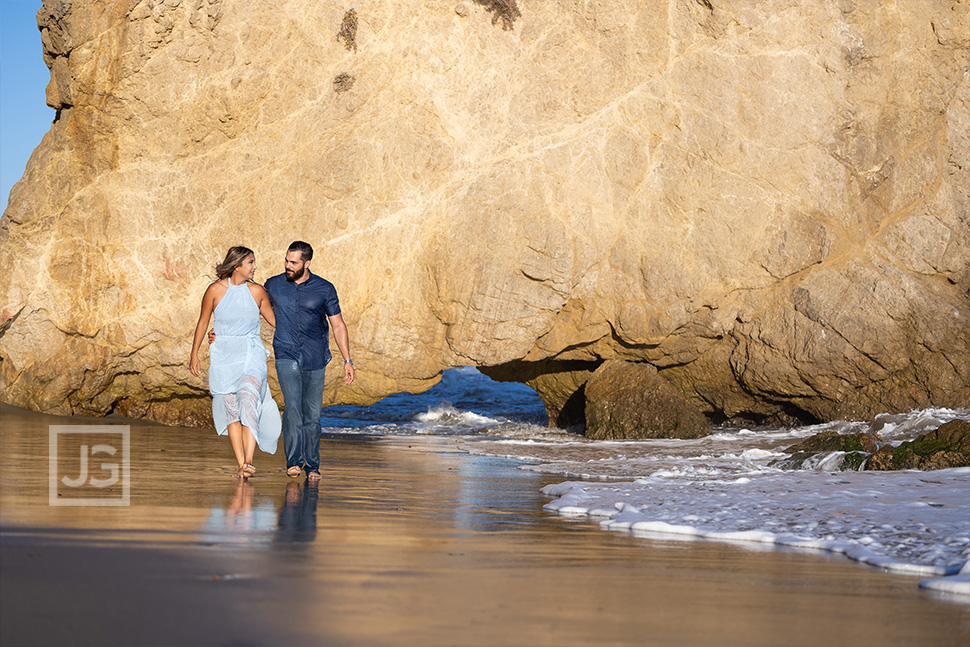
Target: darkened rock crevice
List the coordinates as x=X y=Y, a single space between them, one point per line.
x=611 y=399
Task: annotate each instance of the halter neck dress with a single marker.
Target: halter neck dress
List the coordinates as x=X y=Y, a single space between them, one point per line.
x=237 y=370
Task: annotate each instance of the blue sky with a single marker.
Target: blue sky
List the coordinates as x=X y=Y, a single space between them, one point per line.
x=24 y=115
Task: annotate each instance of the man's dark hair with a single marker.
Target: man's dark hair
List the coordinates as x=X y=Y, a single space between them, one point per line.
x=306 y=252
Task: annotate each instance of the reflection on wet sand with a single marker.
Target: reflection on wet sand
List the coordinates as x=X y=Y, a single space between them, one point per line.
x=237 y=519
x=402 y=542
x=298 y=514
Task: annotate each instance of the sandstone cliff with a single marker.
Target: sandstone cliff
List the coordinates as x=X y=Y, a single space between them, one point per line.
x=767 y=202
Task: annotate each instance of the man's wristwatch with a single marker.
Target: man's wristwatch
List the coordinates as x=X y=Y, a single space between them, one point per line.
x=349 y=361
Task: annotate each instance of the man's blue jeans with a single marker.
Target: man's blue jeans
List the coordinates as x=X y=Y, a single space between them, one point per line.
x=302 y=400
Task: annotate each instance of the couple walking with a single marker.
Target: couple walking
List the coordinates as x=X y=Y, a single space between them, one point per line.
x=301 y=306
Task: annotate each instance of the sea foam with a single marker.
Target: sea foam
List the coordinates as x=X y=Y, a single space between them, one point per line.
x=721 y=487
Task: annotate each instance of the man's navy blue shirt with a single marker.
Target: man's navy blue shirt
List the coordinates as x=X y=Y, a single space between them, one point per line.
x=301 y=311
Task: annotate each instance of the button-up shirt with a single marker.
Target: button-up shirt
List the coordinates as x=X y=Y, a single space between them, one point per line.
x=301 y=311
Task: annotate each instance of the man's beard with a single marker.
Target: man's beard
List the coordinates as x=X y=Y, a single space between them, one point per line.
x=294 y=275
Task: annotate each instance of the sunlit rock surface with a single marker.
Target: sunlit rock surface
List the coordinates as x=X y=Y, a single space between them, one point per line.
x=630 y=400
x=768 y=202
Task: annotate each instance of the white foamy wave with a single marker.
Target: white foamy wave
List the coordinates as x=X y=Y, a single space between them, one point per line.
x=906 y=426
x=908 y=522
x=721 y=487
x=955 y=584
x=758 y=454
x=824 y=462
x=447 y=415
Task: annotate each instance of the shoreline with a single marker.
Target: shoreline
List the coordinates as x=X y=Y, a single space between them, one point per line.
x=405 y=541
x=725 y=488
x=578 y=499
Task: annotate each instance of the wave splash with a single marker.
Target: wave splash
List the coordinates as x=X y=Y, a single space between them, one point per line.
x=721 y=487
x=447 y=416
x=724 y=488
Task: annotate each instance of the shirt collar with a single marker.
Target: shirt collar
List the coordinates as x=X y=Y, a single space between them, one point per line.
x=309 y=277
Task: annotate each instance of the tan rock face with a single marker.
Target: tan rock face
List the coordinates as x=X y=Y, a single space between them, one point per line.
x=770 y=203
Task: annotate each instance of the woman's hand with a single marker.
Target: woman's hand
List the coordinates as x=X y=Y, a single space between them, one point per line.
x=194 y=365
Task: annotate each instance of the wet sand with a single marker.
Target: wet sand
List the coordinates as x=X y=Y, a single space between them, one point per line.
x=404 y=542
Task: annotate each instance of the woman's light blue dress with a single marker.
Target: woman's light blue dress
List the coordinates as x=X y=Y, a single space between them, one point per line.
x=237 y=370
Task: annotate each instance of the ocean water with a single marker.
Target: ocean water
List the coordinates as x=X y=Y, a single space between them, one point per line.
x=719 y=488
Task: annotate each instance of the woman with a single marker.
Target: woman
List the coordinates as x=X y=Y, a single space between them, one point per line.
x=241 y=402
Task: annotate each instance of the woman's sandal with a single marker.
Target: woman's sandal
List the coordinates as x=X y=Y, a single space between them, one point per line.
x=248 y=470
x=293 y=471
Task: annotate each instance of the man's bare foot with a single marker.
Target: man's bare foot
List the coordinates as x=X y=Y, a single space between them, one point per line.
x=293 y=471
x=313 y=476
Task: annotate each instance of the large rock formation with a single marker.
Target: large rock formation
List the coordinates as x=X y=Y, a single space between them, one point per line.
x=630 y=400
x=768 y=202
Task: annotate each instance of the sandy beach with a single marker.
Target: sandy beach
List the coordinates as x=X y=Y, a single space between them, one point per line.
x=404 y=542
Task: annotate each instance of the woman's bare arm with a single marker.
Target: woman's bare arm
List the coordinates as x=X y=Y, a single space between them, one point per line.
x=208 y=305
x=262 y=300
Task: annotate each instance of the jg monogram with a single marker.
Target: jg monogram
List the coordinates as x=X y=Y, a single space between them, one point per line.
x=89 y=465
x=113 y=468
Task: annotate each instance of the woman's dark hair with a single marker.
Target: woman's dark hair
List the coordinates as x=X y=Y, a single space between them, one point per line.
x=306 y=252
x=234 y=258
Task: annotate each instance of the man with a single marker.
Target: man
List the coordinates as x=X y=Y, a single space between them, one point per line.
x=304 y=305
